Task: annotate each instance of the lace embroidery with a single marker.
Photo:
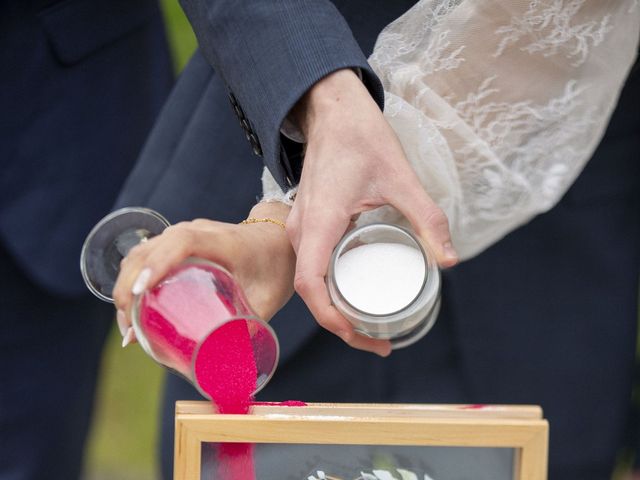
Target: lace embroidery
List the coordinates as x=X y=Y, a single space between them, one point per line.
x=424 y=36
x=506 y=131
x=435 y=56
x=549 y=27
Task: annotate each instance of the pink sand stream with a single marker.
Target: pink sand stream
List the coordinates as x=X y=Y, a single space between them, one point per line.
x=180 y=312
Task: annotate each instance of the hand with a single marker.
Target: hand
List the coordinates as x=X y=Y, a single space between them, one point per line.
x=258 y=255
x=353 y=163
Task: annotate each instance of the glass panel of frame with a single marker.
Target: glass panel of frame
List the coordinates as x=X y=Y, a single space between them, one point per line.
x=266 y=461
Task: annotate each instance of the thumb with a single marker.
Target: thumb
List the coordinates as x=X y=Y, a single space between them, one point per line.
x=427 y=219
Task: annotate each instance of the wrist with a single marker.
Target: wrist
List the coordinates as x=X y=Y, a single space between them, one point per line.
x=275 y=210
x=328 y=98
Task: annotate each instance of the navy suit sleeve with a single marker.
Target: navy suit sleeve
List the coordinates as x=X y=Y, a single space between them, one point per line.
x=269 y=53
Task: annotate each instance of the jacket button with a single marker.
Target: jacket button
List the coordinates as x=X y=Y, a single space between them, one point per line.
x=233 y=100
x=246 y=126
x=255 y=144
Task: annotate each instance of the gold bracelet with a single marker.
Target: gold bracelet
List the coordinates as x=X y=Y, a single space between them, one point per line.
x=263 y=220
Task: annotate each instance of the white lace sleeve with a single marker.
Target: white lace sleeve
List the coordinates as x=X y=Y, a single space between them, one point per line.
x=499 y=104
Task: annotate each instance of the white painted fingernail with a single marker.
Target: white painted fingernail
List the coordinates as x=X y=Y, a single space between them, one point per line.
x=122 y=322
x=449 y=251
x=140 y=284
x=128 y=337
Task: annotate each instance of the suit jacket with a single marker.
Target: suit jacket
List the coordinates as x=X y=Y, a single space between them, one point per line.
x=82 y=81
x=546 y=316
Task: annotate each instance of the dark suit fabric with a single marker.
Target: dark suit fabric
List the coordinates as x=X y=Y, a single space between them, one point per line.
x=50 y=349
x=82 y=81
x=546 y=316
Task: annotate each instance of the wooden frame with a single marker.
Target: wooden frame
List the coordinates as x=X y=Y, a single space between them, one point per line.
x=519 y=427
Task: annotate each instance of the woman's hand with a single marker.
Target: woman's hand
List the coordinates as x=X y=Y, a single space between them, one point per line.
x=258 y=255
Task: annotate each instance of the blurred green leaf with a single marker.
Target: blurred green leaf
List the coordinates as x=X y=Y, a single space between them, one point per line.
x=182 y=41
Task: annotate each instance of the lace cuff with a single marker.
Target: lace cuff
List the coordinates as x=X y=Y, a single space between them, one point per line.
x=271 y=191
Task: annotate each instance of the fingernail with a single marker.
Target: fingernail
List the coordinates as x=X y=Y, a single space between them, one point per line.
x=122 y=322
x=127 y=337
x=140 y=284
x=449 y=251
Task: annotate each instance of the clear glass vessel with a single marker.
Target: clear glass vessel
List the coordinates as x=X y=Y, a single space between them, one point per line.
x=410 y=322
x=196 y=321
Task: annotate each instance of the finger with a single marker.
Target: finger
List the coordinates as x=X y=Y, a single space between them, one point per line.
x=137 y=275
x=317 y=242
x=427 y=219
x=169 y=250
x=330 y=318
x=130 y=268
x=362 y=342
x=178 y=244
x=123 y=323
x=173 y=247
x=352 y=224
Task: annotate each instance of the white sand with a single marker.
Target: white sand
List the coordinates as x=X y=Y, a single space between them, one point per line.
x=380 y=278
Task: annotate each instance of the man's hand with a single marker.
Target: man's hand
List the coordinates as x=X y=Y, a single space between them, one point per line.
x=354 y=162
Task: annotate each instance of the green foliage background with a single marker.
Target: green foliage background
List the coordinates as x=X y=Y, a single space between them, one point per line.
x=123 y=439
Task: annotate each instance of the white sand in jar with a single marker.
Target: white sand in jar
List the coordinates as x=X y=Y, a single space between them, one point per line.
x=380 y=278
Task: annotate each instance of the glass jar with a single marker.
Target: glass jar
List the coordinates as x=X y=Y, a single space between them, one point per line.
x=196 y=321
x=390 y=291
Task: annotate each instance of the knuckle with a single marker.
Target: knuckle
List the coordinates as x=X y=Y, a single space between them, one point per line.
x=347 y=337
x=437 y=219
x=135 y=251
x=324 y=323
x=186 y=236
x=200 y=222
x=173 y=230
x=118 y=297
x=292 y=228
x=301 y=284
x=179 y=233
x=178 y=226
